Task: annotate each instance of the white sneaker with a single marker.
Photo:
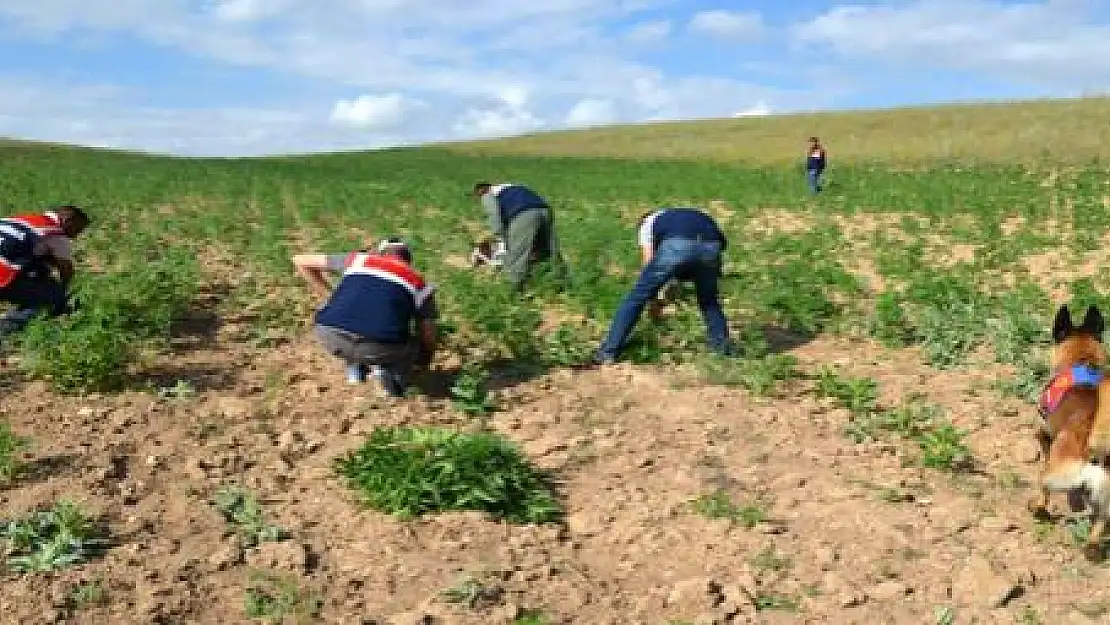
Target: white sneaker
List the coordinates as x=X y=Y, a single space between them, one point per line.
x=356 y=374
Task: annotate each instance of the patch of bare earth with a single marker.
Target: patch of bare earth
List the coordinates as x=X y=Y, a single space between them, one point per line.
x=854 y=535
x=777 y=221
x=1055 y=269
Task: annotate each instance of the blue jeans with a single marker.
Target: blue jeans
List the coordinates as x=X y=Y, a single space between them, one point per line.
x=813 y=177
x=680 y=259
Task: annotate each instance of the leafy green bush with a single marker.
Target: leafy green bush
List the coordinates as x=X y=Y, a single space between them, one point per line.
x=51 y=539
x=242 y=511
x=76 y=354
x=90 y=349
x=411 y=471
x=10 y=446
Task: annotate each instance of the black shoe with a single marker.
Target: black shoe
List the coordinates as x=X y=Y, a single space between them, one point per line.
x=728 y=350
x=392 y=383
x=600 y=358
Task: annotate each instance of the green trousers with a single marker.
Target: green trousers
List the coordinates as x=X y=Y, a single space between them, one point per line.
x=530 y=238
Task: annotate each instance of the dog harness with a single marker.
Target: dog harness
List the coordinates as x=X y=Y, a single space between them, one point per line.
x=1076 y=376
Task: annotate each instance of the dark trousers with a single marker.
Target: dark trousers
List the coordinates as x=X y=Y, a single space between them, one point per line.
x=32 y=292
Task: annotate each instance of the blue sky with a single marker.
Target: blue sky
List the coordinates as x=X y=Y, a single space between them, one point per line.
x=244 y=77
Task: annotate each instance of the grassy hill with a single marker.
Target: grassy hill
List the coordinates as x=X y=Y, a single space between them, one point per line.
x=1060 y=130
x=892 y=331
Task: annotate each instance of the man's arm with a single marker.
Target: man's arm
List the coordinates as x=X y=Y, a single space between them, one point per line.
x=429 y=332
x=311 y=267
x=57 y=251
x=493 y=212
x=645 y=237
x=65 y=267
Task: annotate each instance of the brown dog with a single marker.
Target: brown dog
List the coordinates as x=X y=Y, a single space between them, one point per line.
x=1068 y=407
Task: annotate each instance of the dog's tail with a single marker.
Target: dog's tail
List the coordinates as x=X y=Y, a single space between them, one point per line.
x=1099 y=440
x=1078 y=474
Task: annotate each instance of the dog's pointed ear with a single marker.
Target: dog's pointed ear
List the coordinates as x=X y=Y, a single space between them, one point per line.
x=1061 y=326
x=1093 y=321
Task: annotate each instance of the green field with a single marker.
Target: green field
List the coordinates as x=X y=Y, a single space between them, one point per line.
x=789 y=264
x=949 y=234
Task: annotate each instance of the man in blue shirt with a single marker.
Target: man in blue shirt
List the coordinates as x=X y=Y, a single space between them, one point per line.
x=369 y=317
x=523 y=220
x=675 y=244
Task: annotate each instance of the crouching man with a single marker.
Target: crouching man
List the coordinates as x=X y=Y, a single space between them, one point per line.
x=30 y=246
x=368 y=320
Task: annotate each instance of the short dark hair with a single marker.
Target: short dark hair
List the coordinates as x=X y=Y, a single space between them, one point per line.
x=645 y=215
x=69 y=213
x=480 y=186
x=396 y=246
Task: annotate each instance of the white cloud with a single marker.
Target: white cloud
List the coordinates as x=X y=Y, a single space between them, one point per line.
x=729 y=25
x=427 y=69
x=1053 y=42
x=648 y=32
x=759 y=109
x=249 y=10
x=591 y=112
x=373 y=111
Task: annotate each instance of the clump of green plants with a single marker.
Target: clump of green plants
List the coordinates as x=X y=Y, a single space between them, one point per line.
x=469 y=393
x=273 y=598
x=889 y=323
x=943 y=447
x=90 y=349
x=87 y=594
x=11 y=446
x=472 y=591
x=718 y=505
x=940 y=444
x=50 y=539
x=564 y=347
x=753 y=367
x=859 y=396
x=532 y=617
x=411 y=471
x=242 y=511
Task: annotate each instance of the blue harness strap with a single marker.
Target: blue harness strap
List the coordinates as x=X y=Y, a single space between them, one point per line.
x=1076 y=376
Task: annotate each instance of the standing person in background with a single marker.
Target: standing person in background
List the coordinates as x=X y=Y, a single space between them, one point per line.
x=815 y=164
x=369 y=318
x=30 y=246
x=523 y=220
x=675 y=244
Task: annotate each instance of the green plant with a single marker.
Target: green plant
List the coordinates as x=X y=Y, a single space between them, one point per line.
x=532 y=617
x=760 y=375
x=943 y=447
x=87 y=594
x=274 y=598
x=411 y=471
x=51 y=538
x=90 y=349
x=471 y=591
x=719 y=505
x=10 y=447
x=857 y=395
x=772 y=601
x=469 y=393
x=243 y=512
x=564 y=347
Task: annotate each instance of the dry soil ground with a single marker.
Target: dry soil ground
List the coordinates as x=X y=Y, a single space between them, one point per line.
x=853 y=535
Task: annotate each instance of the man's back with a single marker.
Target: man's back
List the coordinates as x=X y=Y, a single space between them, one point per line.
x=688 y=223
x=377 y=297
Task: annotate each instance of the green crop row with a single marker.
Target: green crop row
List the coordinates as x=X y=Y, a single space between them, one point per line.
x=794 y=262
